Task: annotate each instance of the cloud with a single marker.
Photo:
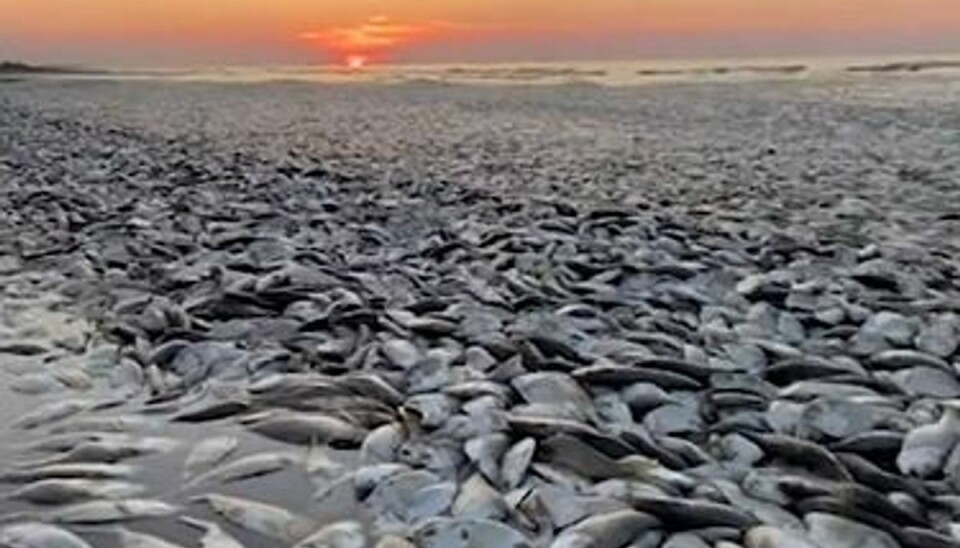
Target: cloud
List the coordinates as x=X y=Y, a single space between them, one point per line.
x=377 y=35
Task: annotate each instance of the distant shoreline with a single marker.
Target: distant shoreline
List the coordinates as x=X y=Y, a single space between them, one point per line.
x=614 y=73
x=16 y=68
x=917 y=66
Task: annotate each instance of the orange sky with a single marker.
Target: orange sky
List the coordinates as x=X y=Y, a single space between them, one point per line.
x=175 y=31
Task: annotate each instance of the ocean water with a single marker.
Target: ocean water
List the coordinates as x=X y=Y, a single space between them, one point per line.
x=618 y=73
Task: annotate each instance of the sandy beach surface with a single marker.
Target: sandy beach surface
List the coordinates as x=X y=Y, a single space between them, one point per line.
x=678 y=314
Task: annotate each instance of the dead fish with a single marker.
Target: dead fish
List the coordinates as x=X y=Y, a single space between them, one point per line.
x=688 y=540
x=802 y=453
x=544 y=426
x=554 y=388
x=915 y=537
x=69 y=471
x=154 y=379
x=516 y=461
x=64 y=442
x=642 y=397
x=564 y=507
x=427 y=502
x=401 y=353
x=432 y=410
x=767 y=512
x=693 y=513
x=467 y=390
x=838 y=532
x=110 y=511
x=559 y=476
x=117 y=424
x=611 y=530
x=67 y=491
x=211 y=410
x=209 y=453
x=478 y=500
x=871 y=475
x=398 y=496
x=110 y=451
x=130 y=539
x=765 y=536
x=899 y=359
x=610 y=373
x=485 y=452
x=52 y=412
x=213 y=535
x=307 y=428
x=467 y=533
x=248 y=467
x=393 y=541
x=258 y=517
x=36 y=383
x=344 y=534
x=127 y=377
x=926 y=448
x=381 y=444
x=577 y=456
x=39 y=535
x=373 y=386
x=808 y=390
x=366 y=478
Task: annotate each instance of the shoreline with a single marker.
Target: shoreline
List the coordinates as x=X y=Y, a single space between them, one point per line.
x=616 y=74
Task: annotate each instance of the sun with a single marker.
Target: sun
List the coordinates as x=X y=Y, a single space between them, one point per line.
x=356 y=61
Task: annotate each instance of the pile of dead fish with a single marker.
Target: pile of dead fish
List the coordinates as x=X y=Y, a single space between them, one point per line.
x=463 y=369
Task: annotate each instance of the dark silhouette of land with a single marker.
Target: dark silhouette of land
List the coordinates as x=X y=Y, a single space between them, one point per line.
x=19 y=68
x=916 y=66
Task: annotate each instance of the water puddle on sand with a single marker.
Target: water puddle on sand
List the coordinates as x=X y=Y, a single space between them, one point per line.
x=48 y=355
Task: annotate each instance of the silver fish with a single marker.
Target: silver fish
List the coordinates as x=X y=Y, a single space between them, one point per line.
x=381 y=444
x=926 y=448
x=52 y=412
x=478 y=500
x=396 y=495
x=258 y=517
x=64 y=442
x=67 y=471
x=344 y=534
x=209 y=453
x=248 y=467
x=467 y=533
x=486 y=452
x=516 y=461
x=39 y=535
x=838 y=532
x=610 y=530
x=110 y=450
x=36 y=383
x=307 y=428
x=109 y=511
x=392 y=541
x=67 y=491
x=367 y=478
x=765 y=536
x=117 y=424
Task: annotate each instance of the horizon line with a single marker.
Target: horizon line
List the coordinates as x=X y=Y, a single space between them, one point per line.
x=401 y=62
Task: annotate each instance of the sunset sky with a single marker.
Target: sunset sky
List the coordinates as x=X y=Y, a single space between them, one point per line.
x=176 y=32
